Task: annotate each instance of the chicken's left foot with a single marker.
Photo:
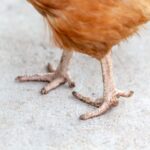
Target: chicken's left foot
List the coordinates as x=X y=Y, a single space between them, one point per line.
x=110 y=94
x=103 y=104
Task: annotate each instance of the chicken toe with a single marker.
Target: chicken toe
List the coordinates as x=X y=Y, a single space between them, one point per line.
x=87 y=100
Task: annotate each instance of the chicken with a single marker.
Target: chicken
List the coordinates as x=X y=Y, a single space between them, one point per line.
x=91 y=27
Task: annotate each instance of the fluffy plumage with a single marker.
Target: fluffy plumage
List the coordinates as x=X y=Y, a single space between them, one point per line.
x=93 y=26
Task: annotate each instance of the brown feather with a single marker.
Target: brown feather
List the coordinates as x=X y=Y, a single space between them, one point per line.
x=93 y=27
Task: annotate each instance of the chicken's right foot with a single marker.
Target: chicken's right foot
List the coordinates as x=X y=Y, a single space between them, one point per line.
x=55 y=77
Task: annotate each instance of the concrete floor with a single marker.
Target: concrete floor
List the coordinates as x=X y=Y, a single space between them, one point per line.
x=29 y=121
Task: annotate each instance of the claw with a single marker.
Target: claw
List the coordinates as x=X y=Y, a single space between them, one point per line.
x=71 y=84
x=43 y=91
x=124 y=94
x=50 y=68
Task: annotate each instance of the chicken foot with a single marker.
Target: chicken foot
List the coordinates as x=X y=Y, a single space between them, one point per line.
x=110 y=95
x=54 y=77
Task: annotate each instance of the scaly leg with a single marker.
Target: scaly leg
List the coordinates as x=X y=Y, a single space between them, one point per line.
x=54 y=77
x=111 y=94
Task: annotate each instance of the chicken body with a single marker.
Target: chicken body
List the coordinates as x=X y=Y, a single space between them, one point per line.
x=93 y=27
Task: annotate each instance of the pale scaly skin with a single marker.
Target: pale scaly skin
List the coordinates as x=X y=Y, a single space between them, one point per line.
x=55 y=78
x=110 y=95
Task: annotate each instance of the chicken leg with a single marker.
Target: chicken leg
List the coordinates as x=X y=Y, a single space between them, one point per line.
x=110 y=95
x=54 y=77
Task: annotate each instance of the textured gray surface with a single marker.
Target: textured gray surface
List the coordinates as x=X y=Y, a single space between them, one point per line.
x=29 y=121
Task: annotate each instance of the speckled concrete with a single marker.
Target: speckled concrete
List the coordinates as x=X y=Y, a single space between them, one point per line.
x=29 y=121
